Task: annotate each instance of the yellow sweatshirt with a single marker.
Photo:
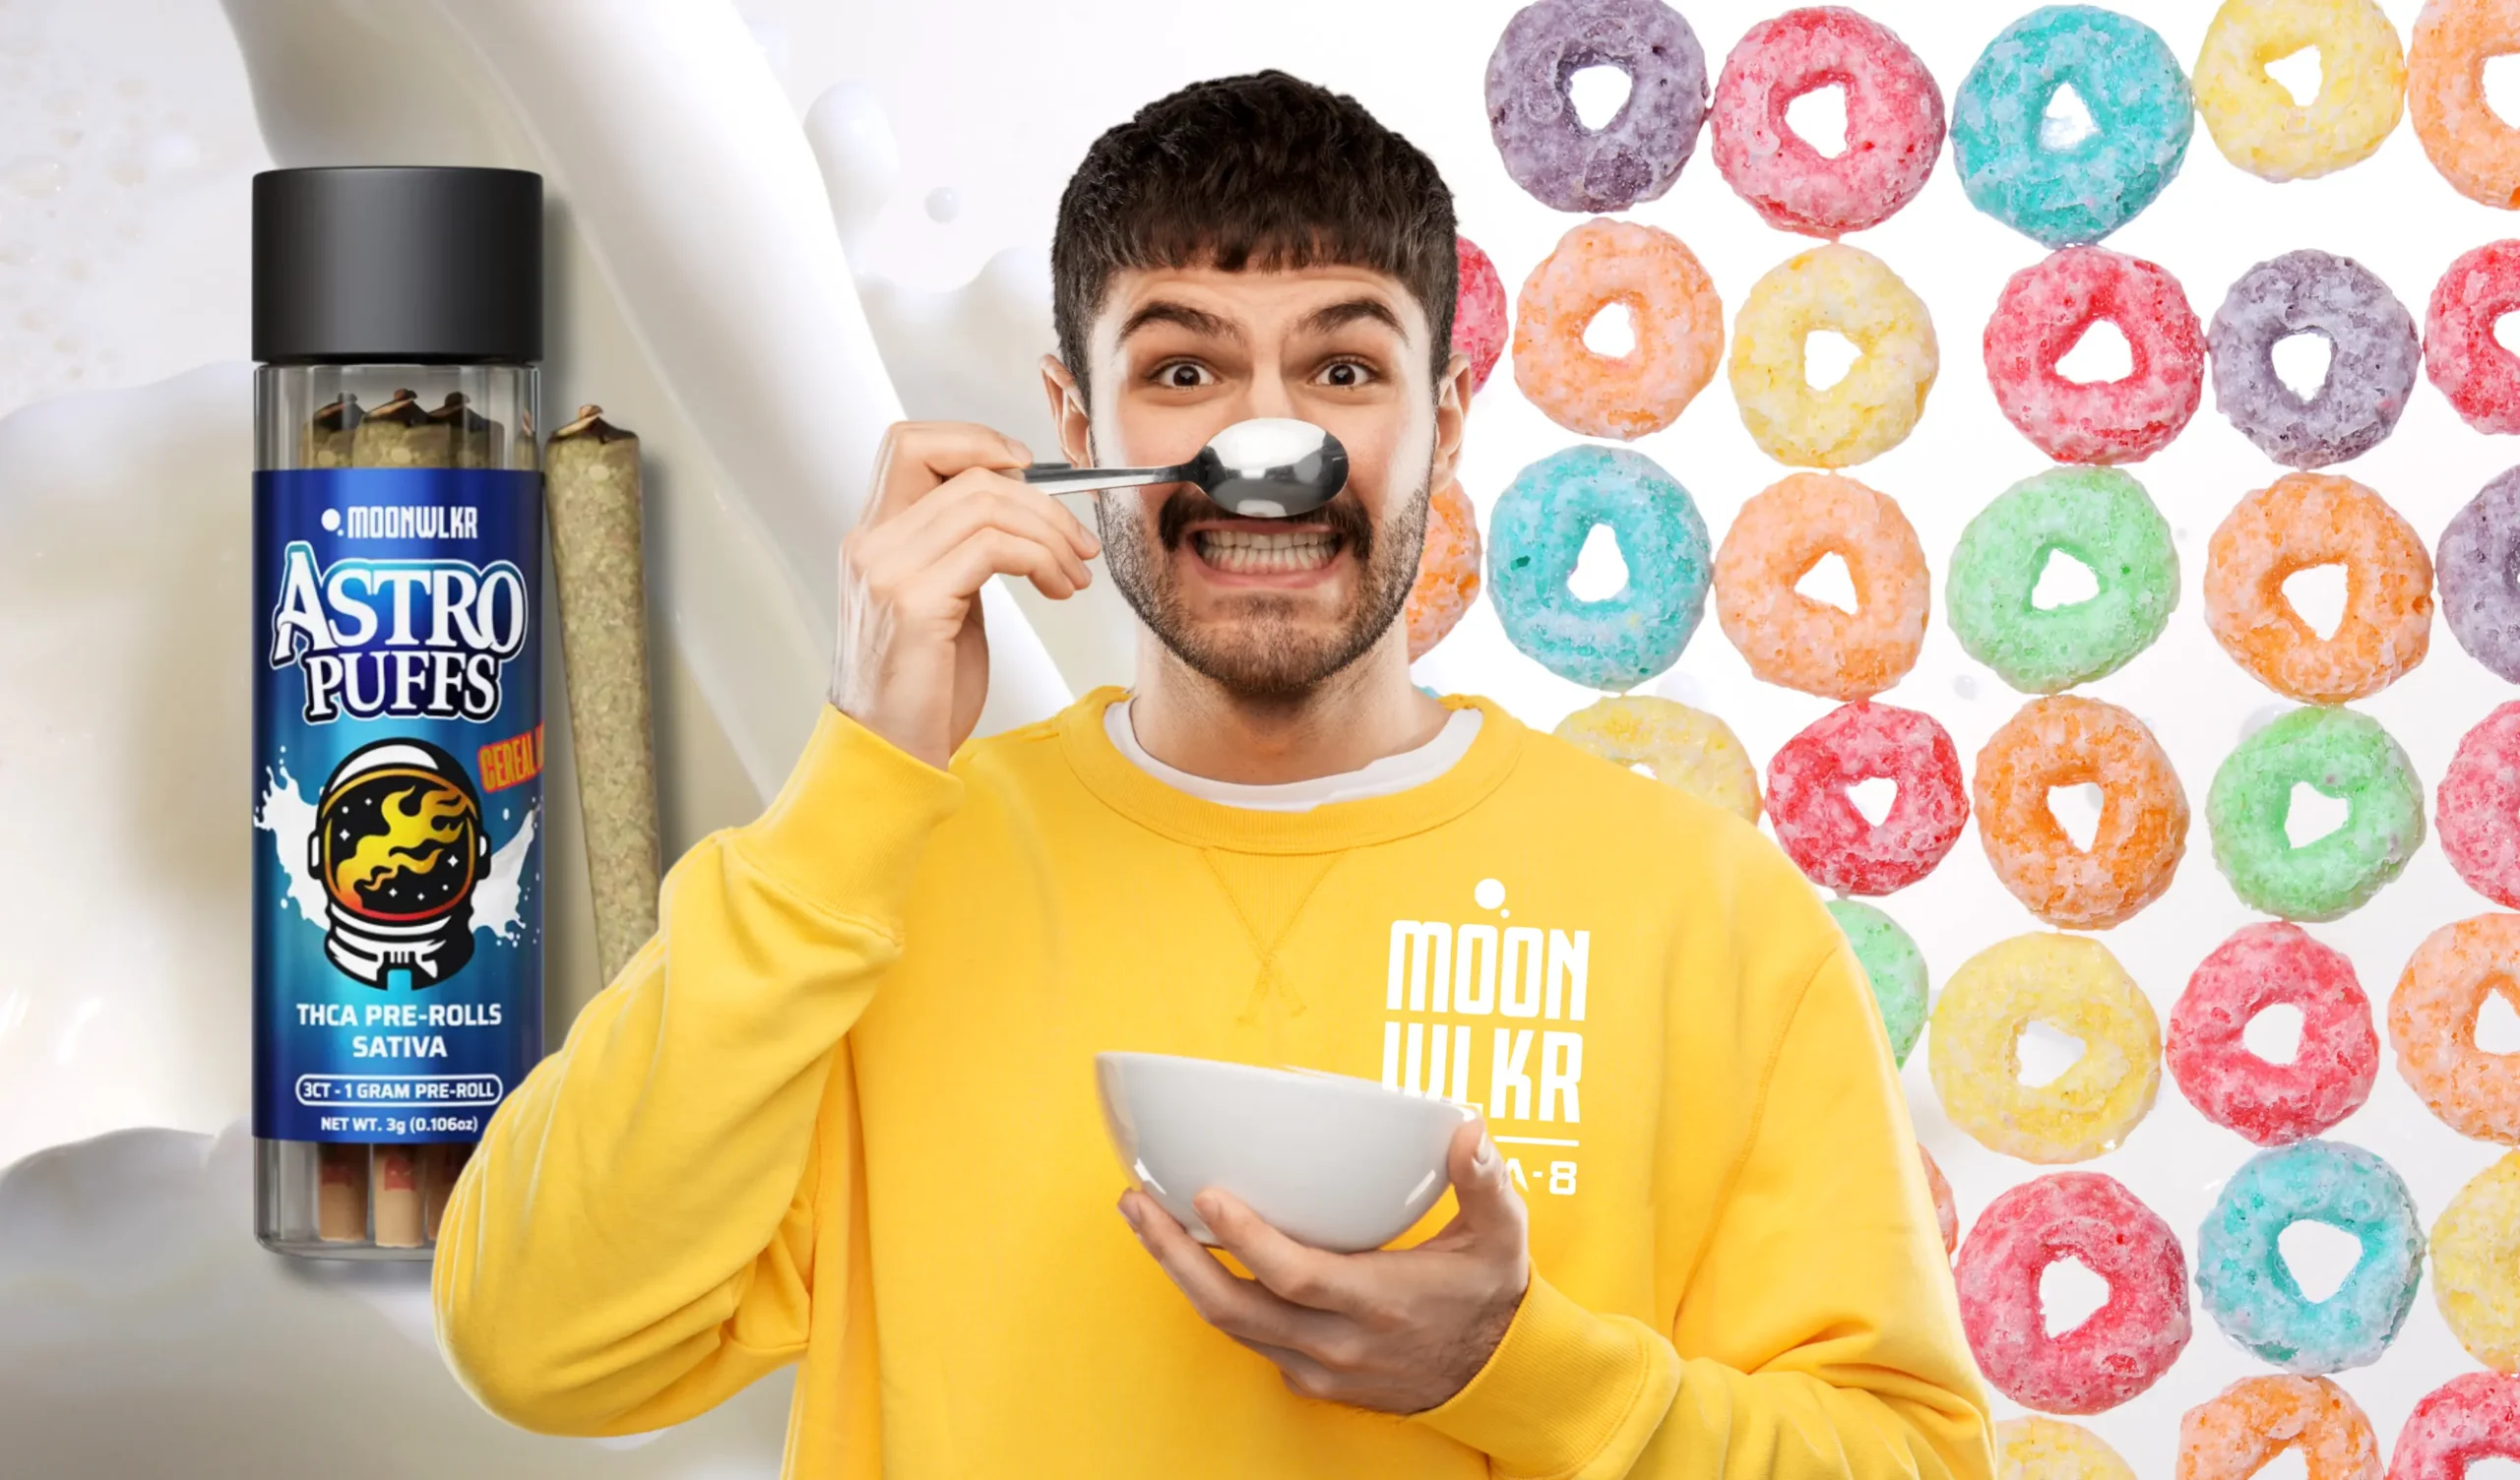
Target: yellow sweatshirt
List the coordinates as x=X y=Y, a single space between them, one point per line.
x=841 y=1111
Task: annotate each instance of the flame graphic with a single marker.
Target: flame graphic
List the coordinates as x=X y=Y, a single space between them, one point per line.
x=412 y=841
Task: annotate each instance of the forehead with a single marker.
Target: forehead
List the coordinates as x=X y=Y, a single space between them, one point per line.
x=1261 y=305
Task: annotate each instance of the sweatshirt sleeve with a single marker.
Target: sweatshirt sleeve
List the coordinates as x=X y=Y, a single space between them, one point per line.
x=1818 y=1338
x=634 y=1239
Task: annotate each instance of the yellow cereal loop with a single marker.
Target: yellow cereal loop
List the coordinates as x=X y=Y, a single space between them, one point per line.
x=2072 y=984
x=2050 y=1449
x=2475 y=1265
x=1689 y=749
x=2254 y=121
x=1873 y=408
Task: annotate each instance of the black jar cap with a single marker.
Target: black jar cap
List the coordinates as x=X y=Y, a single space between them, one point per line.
x=410 y=265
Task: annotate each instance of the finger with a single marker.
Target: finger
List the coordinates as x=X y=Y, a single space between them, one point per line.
x=1302 y=1374
x=1489 y=1207
x=973 y=500
x=1298 y=1272
x=966 y=568
x=917 y=456
x=1237 y=1306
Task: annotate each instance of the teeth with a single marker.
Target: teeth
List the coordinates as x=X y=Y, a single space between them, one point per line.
x=1246 y=551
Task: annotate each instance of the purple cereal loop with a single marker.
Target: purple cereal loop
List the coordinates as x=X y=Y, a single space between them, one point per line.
x=1546 y=147
x=2376 y=354
x=2477 y=571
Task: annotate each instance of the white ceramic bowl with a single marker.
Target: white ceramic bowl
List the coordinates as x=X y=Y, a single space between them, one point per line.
x=1336 y=1163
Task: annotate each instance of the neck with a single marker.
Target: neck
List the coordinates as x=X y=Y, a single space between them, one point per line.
x=1368 y=710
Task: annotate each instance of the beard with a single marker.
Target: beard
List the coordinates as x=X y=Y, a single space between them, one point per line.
x=1265 y=652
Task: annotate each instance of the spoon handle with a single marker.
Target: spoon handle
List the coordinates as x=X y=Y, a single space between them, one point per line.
x=1060 y=478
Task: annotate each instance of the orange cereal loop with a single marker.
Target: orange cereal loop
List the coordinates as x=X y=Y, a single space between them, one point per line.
x=1670 y=303
x=2465 y=139
x=2143 y=817
x=2235 y=1434
x=1946 y=1212
x=2300 y=522
x=1448 y=570
x=2433 y=1027
x=1794 y=640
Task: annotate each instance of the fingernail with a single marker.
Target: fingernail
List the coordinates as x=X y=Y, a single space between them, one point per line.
x=1486 y=1160
x=1019 y=451
x=1129 y=1214
x=1208 y=1206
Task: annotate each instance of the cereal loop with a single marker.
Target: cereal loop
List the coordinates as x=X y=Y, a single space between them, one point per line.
x=1480 y=312
x=1678 y=320
x=2465 y=139
x=1891 y=966
x=2254 y=121
x=2433 y=1027
x=2072 y=984
x=1817 y=824
x=2233 y=1435
x=2050 y=1449
x=1687 y=750
x=1893 y=121
x=2477 y=568
x=2476 y=808
x=2330 y=1074
x=1802 y=642
x=1877 y=405
x=1946 y=1213
x=2461 y=355
x=2475 y=1265
x=1536 y=532
x=2100 y=517
x=2124 y=1346
x=1448 y=570
x=2249 y=1288
x=2298 y=522
x=2474 y=1416
x=2043 y=312
x=1531 y=113
x=2143 y=814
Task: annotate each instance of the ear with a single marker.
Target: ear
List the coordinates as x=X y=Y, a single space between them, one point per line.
x=1067 y=412
x=1452 y=411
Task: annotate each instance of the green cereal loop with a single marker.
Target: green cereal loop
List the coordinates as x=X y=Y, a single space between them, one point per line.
x=2341 y=754
x=1893 y=965
x=2099 y=515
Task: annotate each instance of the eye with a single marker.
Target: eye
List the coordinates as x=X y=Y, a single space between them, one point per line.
x=1180 y=375
x=1347 y=375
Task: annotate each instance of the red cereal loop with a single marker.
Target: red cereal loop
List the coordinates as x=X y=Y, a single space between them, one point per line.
x=2330 y=1074
x=2043 y=312
x=2476 y=809
x=1893 y=121
x=2471 y=1417
x=2067 y=741
x=2461 y=355
x=1817 y=824
x=2127 y=1344
x=1448 y=570
x=1481 y=315
x=1946 y=1212
x=2233 y=1435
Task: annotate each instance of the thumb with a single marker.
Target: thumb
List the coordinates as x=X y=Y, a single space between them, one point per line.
x=1482 y=1185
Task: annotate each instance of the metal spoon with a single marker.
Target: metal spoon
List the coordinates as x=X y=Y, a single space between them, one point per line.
x=1267 y=467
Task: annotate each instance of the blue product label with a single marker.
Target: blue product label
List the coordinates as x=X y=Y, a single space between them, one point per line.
x=398 y=818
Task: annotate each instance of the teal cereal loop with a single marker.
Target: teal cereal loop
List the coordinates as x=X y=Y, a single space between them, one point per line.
x=2142 y=115
x=2342 y=755
x=1538 y=529
x=2249 y=1290
x=2099 y=515
x=1892 y=964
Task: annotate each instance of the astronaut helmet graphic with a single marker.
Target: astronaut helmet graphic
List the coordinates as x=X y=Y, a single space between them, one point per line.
x=398 y=848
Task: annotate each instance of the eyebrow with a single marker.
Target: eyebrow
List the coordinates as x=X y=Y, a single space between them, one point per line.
x=1339 y=315
x=1196 y=320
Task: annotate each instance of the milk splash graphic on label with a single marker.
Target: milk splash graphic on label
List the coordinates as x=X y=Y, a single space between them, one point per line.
x=289 y=819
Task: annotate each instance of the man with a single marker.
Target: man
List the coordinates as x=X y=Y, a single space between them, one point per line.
x=842 y=1109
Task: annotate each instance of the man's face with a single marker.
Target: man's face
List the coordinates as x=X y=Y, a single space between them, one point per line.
x=1266 y=608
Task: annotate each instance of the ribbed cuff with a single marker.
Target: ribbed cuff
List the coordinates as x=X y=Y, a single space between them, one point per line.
x=846 y=830
x=1566 y=1393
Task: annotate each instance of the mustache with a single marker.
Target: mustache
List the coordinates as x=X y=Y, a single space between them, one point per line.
x=1343 y=516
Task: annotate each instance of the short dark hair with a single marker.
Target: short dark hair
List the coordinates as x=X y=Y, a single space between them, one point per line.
x=1264 y=171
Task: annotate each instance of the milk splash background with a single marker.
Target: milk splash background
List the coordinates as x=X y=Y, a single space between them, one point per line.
x=774 y=226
